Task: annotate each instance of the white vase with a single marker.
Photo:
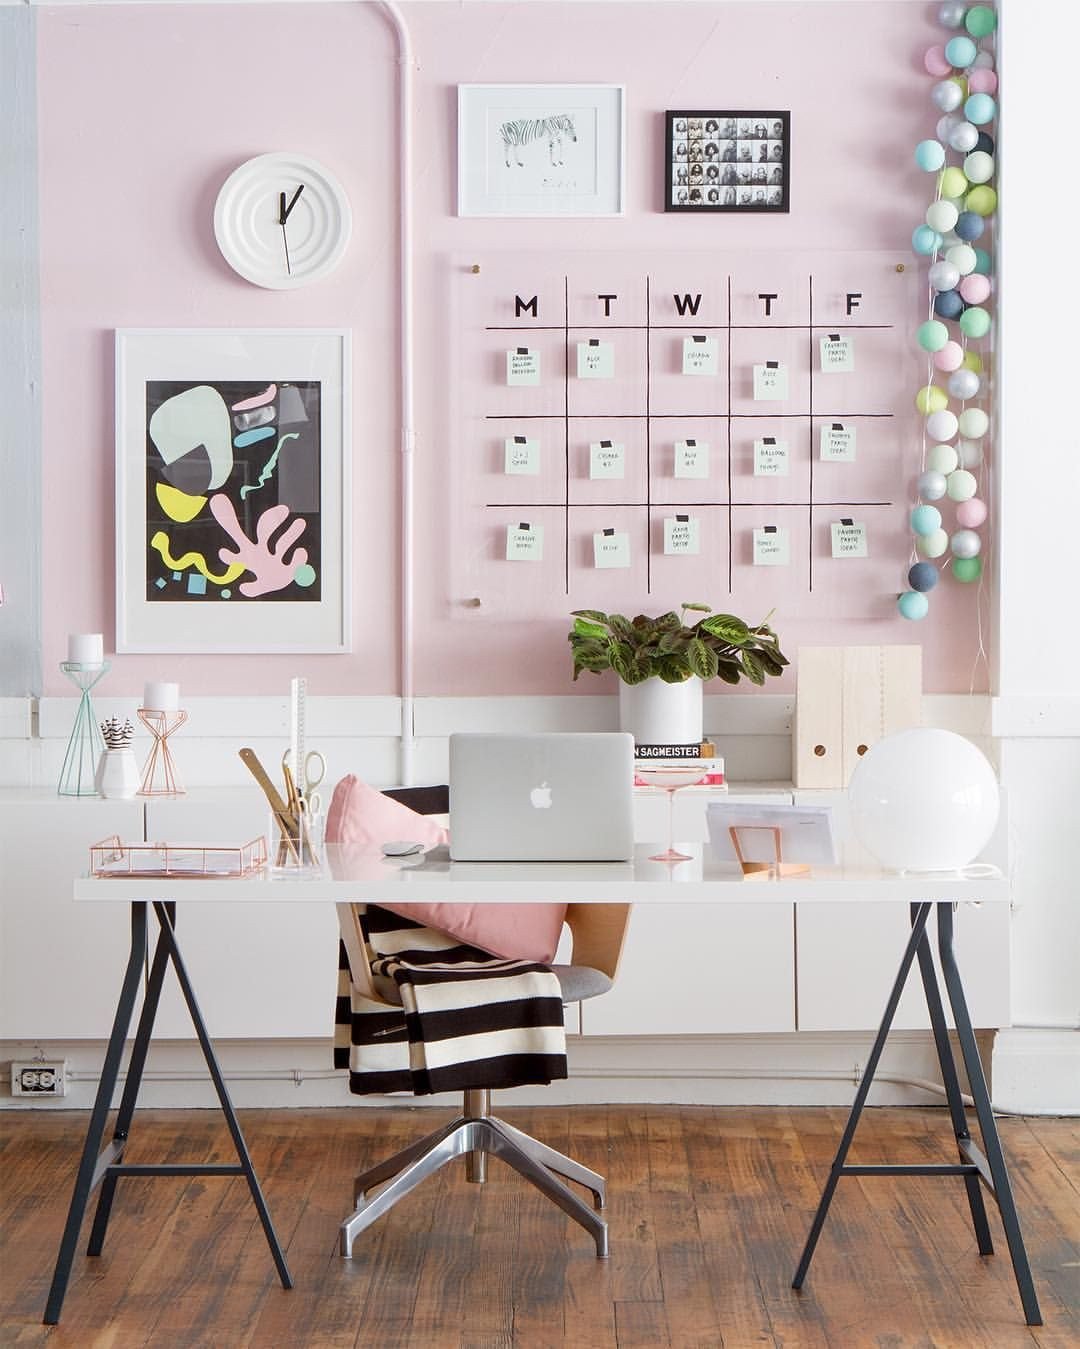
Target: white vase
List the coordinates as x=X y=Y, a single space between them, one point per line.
x=117 y=776
x=656 y=713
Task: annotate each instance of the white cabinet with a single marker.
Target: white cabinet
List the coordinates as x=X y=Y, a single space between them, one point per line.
x=61 y=963
x=259 y=970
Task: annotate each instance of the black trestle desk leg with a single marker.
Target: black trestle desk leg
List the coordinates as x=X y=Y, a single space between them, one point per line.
x=164 y=920
x=1002 y=1189
x=952 y=1090
x=84 y=1179
x=918 y=930
x=139 y=1049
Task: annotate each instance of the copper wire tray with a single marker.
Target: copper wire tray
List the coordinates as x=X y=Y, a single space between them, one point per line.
x=111 y=857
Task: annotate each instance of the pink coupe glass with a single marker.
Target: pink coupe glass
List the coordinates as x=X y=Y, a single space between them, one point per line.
x=671 y=777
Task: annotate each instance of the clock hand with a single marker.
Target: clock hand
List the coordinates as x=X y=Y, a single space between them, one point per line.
x=283 y=215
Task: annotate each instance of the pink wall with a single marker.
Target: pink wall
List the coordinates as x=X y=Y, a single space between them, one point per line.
x=144 y=111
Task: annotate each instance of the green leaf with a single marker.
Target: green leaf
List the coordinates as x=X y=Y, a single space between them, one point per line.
x=727 y=627
x=729 y=671
x=751 y=663
x=702 y=659
x=669 y=622
x=698 y=608
x=671 y=642
x=622 y=662
x=594 y=614
x=621 y=626
x=584 y=627
x=674 y=670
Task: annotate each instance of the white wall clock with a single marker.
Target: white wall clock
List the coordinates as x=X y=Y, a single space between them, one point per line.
x=282 y=220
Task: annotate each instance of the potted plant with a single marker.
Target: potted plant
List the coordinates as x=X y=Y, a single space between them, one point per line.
x=661 y=663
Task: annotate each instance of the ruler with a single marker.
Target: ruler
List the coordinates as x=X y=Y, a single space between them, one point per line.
x=297 y=719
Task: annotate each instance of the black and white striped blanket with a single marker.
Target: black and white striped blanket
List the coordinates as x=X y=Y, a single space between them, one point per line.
x=468 y=1019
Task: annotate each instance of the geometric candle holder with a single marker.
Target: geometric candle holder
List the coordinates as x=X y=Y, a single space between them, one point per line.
x=160 y=777
x=85 y=745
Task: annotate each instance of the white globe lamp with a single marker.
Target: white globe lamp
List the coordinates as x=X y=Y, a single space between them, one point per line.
x=923 y=800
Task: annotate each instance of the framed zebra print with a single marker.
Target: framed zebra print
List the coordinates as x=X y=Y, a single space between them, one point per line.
x=727 y=161
x=541 y=149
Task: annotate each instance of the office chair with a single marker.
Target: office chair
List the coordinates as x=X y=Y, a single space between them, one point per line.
x=598 y=931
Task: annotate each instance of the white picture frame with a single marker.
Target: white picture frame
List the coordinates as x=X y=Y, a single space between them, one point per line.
x=531 y=150
x=187 y=447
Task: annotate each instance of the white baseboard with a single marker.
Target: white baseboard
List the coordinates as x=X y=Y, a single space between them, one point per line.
x=1037 y=1071
x=792 y=1070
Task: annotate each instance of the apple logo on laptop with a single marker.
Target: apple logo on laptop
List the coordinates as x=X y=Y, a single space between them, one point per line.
x=541 y=797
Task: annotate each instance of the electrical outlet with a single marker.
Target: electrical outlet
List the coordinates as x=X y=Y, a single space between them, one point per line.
x=39 y=1077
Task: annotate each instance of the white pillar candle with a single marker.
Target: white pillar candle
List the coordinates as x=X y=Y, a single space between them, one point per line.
x=86 y=648
x=161 y=697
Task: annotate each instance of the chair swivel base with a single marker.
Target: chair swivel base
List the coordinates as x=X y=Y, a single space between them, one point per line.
x=378 y=1189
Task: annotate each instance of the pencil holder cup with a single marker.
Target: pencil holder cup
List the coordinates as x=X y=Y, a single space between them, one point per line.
x=293 y=849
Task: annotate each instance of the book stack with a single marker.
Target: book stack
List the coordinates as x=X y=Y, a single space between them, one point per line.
x=699 y=754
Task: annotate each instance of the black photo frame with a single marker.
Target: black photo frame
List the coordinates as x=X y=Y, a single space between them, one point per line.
x=727 y=161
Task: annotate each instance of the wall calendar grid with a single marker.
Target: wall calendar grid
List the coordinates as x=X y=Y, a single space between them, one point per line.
x=740 y=423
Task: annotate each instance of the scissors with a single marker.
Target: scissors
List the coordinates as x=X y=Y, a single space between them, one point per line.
x=312 y=771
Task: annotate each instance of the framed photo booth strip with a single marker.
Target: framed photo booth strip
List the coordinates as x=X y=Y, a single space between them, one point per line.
x=727 y=161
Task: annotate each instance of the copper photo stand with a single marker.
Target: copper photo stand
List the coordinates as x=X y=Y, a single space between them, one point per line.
x=758 y=871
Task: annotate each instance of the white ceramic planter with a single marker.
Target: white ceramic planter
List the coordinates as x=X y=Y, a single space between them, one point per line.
x=656 y=713
x=117 y=774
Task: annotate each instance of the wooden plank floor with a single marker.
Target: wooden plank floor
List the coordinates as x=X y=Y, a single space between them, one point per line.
x=708 y=1209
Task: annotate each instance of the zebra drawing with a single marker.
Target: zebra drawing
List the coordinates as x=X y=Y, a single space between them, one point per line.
x=524 y=131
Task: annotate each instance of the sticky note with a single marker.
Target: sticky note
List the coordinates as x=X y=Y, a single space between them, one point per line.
x=837 y=353
x=848 y=539
x=522 y=366
x=595 y=359
x=700 y=355
x=772 y=547
x=771 y=458
x=681 y=535
x=770 y=382
x=607 y=460
x=611 y=548
x=691 y=459
x=837 y=443
x=524 y=543
x=521 y=455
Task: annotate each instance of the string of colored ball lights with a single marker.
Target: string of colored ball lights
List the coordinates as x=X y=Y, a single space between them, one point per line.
x=959 y=286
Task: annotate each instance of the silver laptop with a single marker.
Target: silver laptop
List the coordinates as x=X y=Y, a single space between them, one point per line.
x=552 y=797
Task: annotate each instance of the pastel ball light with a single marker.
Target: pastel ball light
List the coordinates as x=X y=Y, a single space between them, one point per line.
x=984 y=61
x=942 y=216
x=942 y=425
x=975 y=322
x=922 y=576
x=948 y=96
x=978 y=167
x=985 y=143
x=973 y=423
x=950 y=356
x=967 y=568
x=970 y=452
x=964 y=137
x=965 y=543
x=961 y=485
x=925 y=240
x=984 y=264
x=932 y=545
x=962 y=257
x=942 y=459
x=951 y=15
x=953 y=182
x=936 y=63
x=960 y=52
x=981 y=81
x=971 y=514
x=931 y=335
x=969 y=226
x=931 y=486
x=912 y=604
x=930 y=155
x=973 y=361
x=931 y=399
x=925 y=520
x=923 y=800
x=946 y=124
x=978 y=108
x=943 y=275
x=980 y=20
x=974 y=288
x=948 y=304
x=982 y=200
x=963 y=384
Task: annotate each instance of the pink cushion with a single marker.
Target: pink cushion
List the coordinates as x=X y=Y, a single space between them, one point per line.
x=362 y=817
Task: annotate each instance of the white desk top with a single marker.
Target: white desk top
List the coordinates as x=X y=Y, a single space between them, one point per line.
x=351 y=875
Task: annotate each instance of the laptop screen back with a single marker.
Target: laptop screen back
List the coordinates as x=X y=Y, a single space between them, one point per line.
x=551 y=797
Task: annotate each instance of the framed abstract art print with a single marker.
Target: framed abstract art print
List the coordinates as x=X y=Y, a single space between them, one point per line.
x=232 y=490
